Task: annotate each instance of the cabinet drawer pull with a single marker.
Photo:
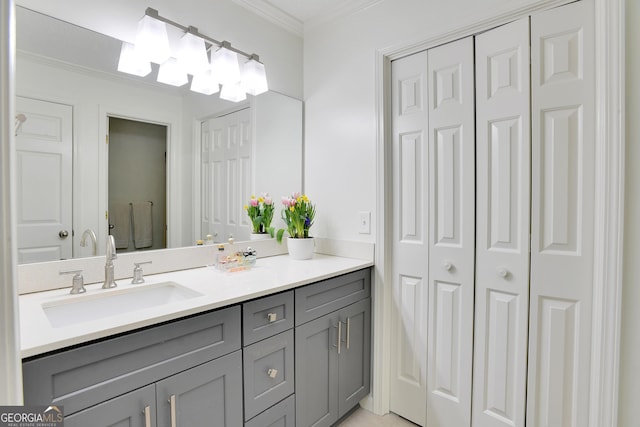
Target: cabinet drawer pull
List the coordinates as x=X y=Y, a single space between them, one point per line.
x=339 y=335
x=172 y=402
x=147 y=416
x=272 y=372
x=272 y=317
x=348 y=331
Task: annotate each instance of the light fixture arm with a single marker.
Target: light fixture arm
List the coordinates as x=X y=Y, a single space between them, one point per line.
x=209 y=42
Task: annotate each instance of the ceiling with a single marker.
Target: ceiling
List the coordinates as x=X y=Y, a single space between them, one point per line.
x=297 y=16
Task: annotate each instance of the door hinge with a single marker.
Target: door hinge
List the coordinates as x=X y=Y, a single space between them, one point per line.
x=106 y=215
x=106 y=139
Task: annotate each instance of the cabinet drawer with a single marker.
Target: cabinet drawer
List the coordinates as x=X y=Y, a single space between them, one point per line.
x=268 y=373
x=281 y=415
x=84 y=376
x=329 y=295
x=266 y=317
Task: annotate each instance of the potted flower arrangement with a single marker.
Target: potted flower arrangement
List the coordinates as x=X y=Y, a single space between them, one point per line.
x=260 y=211
x=298 y=213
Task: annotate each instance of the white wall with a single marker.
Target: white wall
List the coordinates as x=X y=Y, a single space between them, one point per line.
x=629 y=410
x=340 y=133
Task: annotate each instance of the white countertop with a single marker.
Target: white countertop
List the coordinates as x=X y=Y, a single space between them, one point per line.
x=218 y=289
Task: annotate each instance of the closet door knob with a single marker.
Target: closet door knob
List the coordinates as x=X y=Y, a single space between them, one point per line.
x=447 y=265
x=63 y=234
x=502 y=272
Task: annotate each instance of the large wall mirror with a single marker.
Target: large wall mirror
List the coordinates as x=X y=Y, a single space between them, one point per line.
x=72 y=96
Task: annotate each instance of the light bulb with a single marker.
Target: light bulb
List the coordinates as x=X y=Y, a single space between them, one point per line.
x=225 y=64
x=254 y=78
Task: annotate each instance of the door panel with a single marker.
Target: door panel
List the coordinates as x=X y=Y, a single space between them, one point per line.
x=44 y=146
x=502 y=225
x=452 y=233
x=227 y=175
x=410 y=241
x=562 y=218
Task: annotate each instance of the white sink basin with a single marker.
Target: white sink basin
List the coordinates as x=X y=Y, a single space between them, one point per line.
x=85 y=308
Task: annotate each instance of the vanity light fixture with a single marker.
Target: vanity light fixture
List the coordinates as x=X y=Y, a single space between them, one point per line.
x=192 y=56
x=233 y=92
x=132 y=63
x=225 y=61
x=152 y=41
x=254 y=78
x=172 y=73
x=238 y=76
x=205 y=83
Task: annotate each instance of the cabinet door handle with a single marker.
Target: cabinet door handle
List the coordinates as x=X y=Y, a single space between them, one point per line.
x=339 y=326
x=272 y=373
x=147 y=416
x=348 y=331
x=272 y=317
x=172 y=402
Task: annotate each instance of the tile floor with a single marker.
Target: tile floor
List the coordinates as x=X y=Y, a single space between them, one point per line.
x=363 y=418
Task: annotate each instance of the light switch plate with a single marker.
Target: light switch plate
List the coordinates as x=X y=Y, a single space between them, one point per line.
x=364 y=222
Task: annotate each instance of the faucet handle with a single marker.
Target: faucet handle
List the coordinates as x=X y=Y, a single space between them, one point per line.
x=137 y=272
x=77 y=283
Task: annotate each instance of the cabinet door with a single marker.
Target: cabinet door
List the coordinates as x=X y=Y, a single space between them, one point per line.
x=135 y=409
x=316 y=361
x=354 y=361
x=209 y=394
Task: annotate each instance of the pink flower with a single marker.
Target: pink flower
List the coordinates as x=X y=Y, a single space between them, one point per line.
x=285 y=201
x=254 y=202
x=268 y=201
x=296 y=195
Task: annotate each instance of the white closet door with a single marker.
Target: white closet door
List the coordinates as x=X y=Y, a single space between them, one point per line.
x=410 y=245
x=563 y=88
x=451 y=233
x=502 y=224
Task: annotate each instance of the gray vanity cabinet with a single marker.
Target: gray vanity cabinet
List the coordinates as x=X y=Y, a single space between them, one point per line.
x=332 y=352
x=197 y=360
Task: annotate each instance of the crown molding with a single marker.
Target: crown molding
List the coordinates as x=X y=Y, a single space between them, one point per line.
x=274 y=14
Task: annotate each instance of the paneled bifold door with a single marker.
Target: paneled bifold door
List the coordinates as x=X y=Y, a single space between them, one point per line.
x=502 y=225
x=433 y=235
x=562 y=216
x=529 y=191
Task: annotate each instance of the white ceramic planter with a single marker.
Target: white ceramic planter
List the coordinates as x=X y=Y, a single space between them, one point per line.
x=259 y=236
x=301 y=248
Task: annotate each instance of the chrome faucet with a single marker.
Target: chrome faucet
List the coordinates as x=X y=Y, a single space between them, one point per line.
x=109 y=282
x=92 y=236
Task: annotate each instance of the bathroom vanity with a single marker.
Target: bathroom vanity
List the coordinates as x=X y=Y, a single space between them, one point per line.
x=286 y=343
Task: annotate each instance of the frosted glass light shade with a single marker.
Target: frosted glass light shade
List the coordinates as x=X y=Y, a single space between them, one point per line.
x=254 y=77
x=152 y=41
x=172 y=74
x=233 y=92
x=225 y=64
x=206 y=83
x=132 y=63
x=193 y=54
